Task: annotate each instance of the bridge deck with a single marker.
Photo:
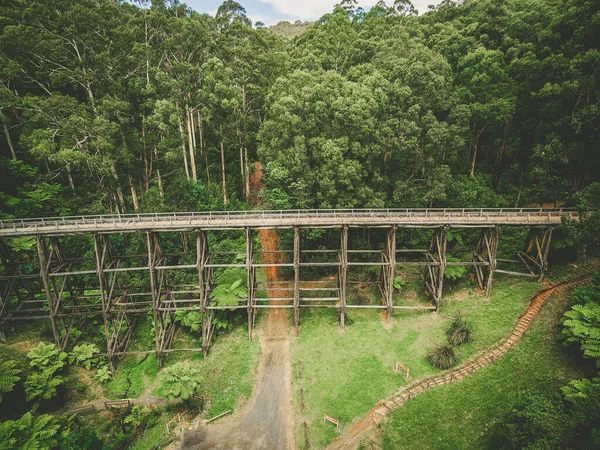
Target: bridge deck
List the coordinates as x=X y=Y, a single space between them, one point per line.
x=421 y=218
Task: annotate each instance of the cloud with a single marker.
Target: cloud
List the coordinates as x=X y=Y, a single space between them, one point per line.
x=313 y=9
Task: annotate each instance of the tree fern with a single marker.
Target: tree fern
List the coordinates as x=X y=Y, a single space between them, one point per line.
x=83 y=355
x=30 y=433
x=8 y=376
x=181 y=380
x=581 y=325
x=45 y=355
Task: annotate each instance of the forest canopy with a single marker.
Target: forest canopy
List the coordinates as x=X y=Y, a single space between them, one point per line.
x=110 y=106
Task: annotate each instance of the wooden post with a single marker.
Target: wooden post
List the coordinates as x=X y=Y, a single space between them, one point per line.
x=343 y=274
x=43 y=258
x=297 y=279
x=151 y=242
x=100 y=258
x=545 y=245
x=536 y=250
x=202 y=258
x=434 y=273
x=486 y=252
x=389 y=269
x=250 y=280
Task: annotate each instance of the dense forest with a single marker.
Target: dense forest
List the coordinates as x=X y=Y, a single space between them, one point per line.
x=117 y=107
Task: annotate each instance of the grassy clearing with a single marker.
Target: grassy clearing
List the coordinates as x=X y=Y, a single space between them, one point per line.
x=154 y=435
x=345 y=373
x=467 y=414
x=228 y=371
x=133 y=375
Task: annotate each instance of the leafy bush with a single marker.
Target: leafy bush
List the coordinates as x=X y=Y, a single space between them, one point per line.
x=83 y=356
x=398 y=283
x=181 y=380
x=103 y=375
x=46 y=355
x=8 y=376
x=454 y=272
x=581 y=325
x=442 y=357
x=539 y=422
x=30 y=432
x=460 y=331
x=589 y=293
x=42 y=386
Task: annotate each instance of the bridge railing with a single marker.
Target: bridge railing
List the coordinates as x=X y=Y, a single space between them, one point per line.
x=488 y=213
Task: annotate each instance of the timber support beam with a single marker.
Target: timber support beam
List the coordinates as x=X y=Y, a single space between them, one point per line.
x=486 y=253
x=251 y=281
x=389 y=269
x=535 y=253
x=343 y=274
x=204 y=282
x=434 y=272
x=297 y=246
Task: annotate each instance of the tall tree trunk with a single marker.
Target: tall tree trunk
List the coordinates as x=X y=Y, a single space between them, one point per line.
x=247 y=174
x=478 y=135
x=147 y=163
x=134 y=196
x=69 y=176
x=500 y=155
x=185 y=162
x=242 y=162
x=120 y=197
x=201 y=136
x=191 y=145
x=223 y=162
x=158 y=177
x=520 y=190
x=10 y=143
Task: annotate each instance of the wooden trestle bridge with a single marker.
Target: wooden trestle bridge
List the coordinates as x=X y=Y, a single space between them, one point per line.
x=48 y=284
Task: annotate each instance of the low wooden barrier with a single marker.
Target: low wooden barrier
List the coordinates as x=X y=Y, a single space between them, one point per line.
x=126 y=403
x=82 y=409
x=332 y=420
x=176 y=417
x=399 y=366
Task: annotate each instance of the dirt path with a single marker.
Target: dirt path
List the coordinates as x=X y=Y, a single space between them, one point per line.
x=352 y=438
x=267 y=421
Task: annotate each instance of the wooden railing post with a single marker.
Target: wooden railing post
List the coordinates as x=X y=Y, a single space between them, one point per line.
x=202 y=258
x=250 y=271
x=154 y=289
x=389 y=270
x=297 y=279
x=434 y=272
x=343 y=274
x=44 y=267
x=100 y=259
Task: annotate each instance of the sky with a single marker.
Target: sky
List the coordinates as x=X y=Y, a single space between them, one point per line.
x=272 y=11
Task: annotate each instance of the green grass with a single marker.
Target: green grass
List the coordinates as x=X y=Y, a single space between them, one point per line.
x=228 y=370
x=466 y=414
x=134 y=374
x=154 y=435
x=345 y=373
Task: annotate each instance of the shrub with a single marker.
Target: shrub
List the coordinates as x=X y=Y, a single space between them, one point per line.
x=181 y=380
x=83 y=356
x=45 y=356
x=103 y=375
x=8 y=376
x=442 y=357
x=460 y=331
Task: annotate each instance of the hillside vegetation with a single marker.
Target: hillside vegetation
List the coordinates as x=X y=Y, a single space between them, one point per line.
x=107 y=106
